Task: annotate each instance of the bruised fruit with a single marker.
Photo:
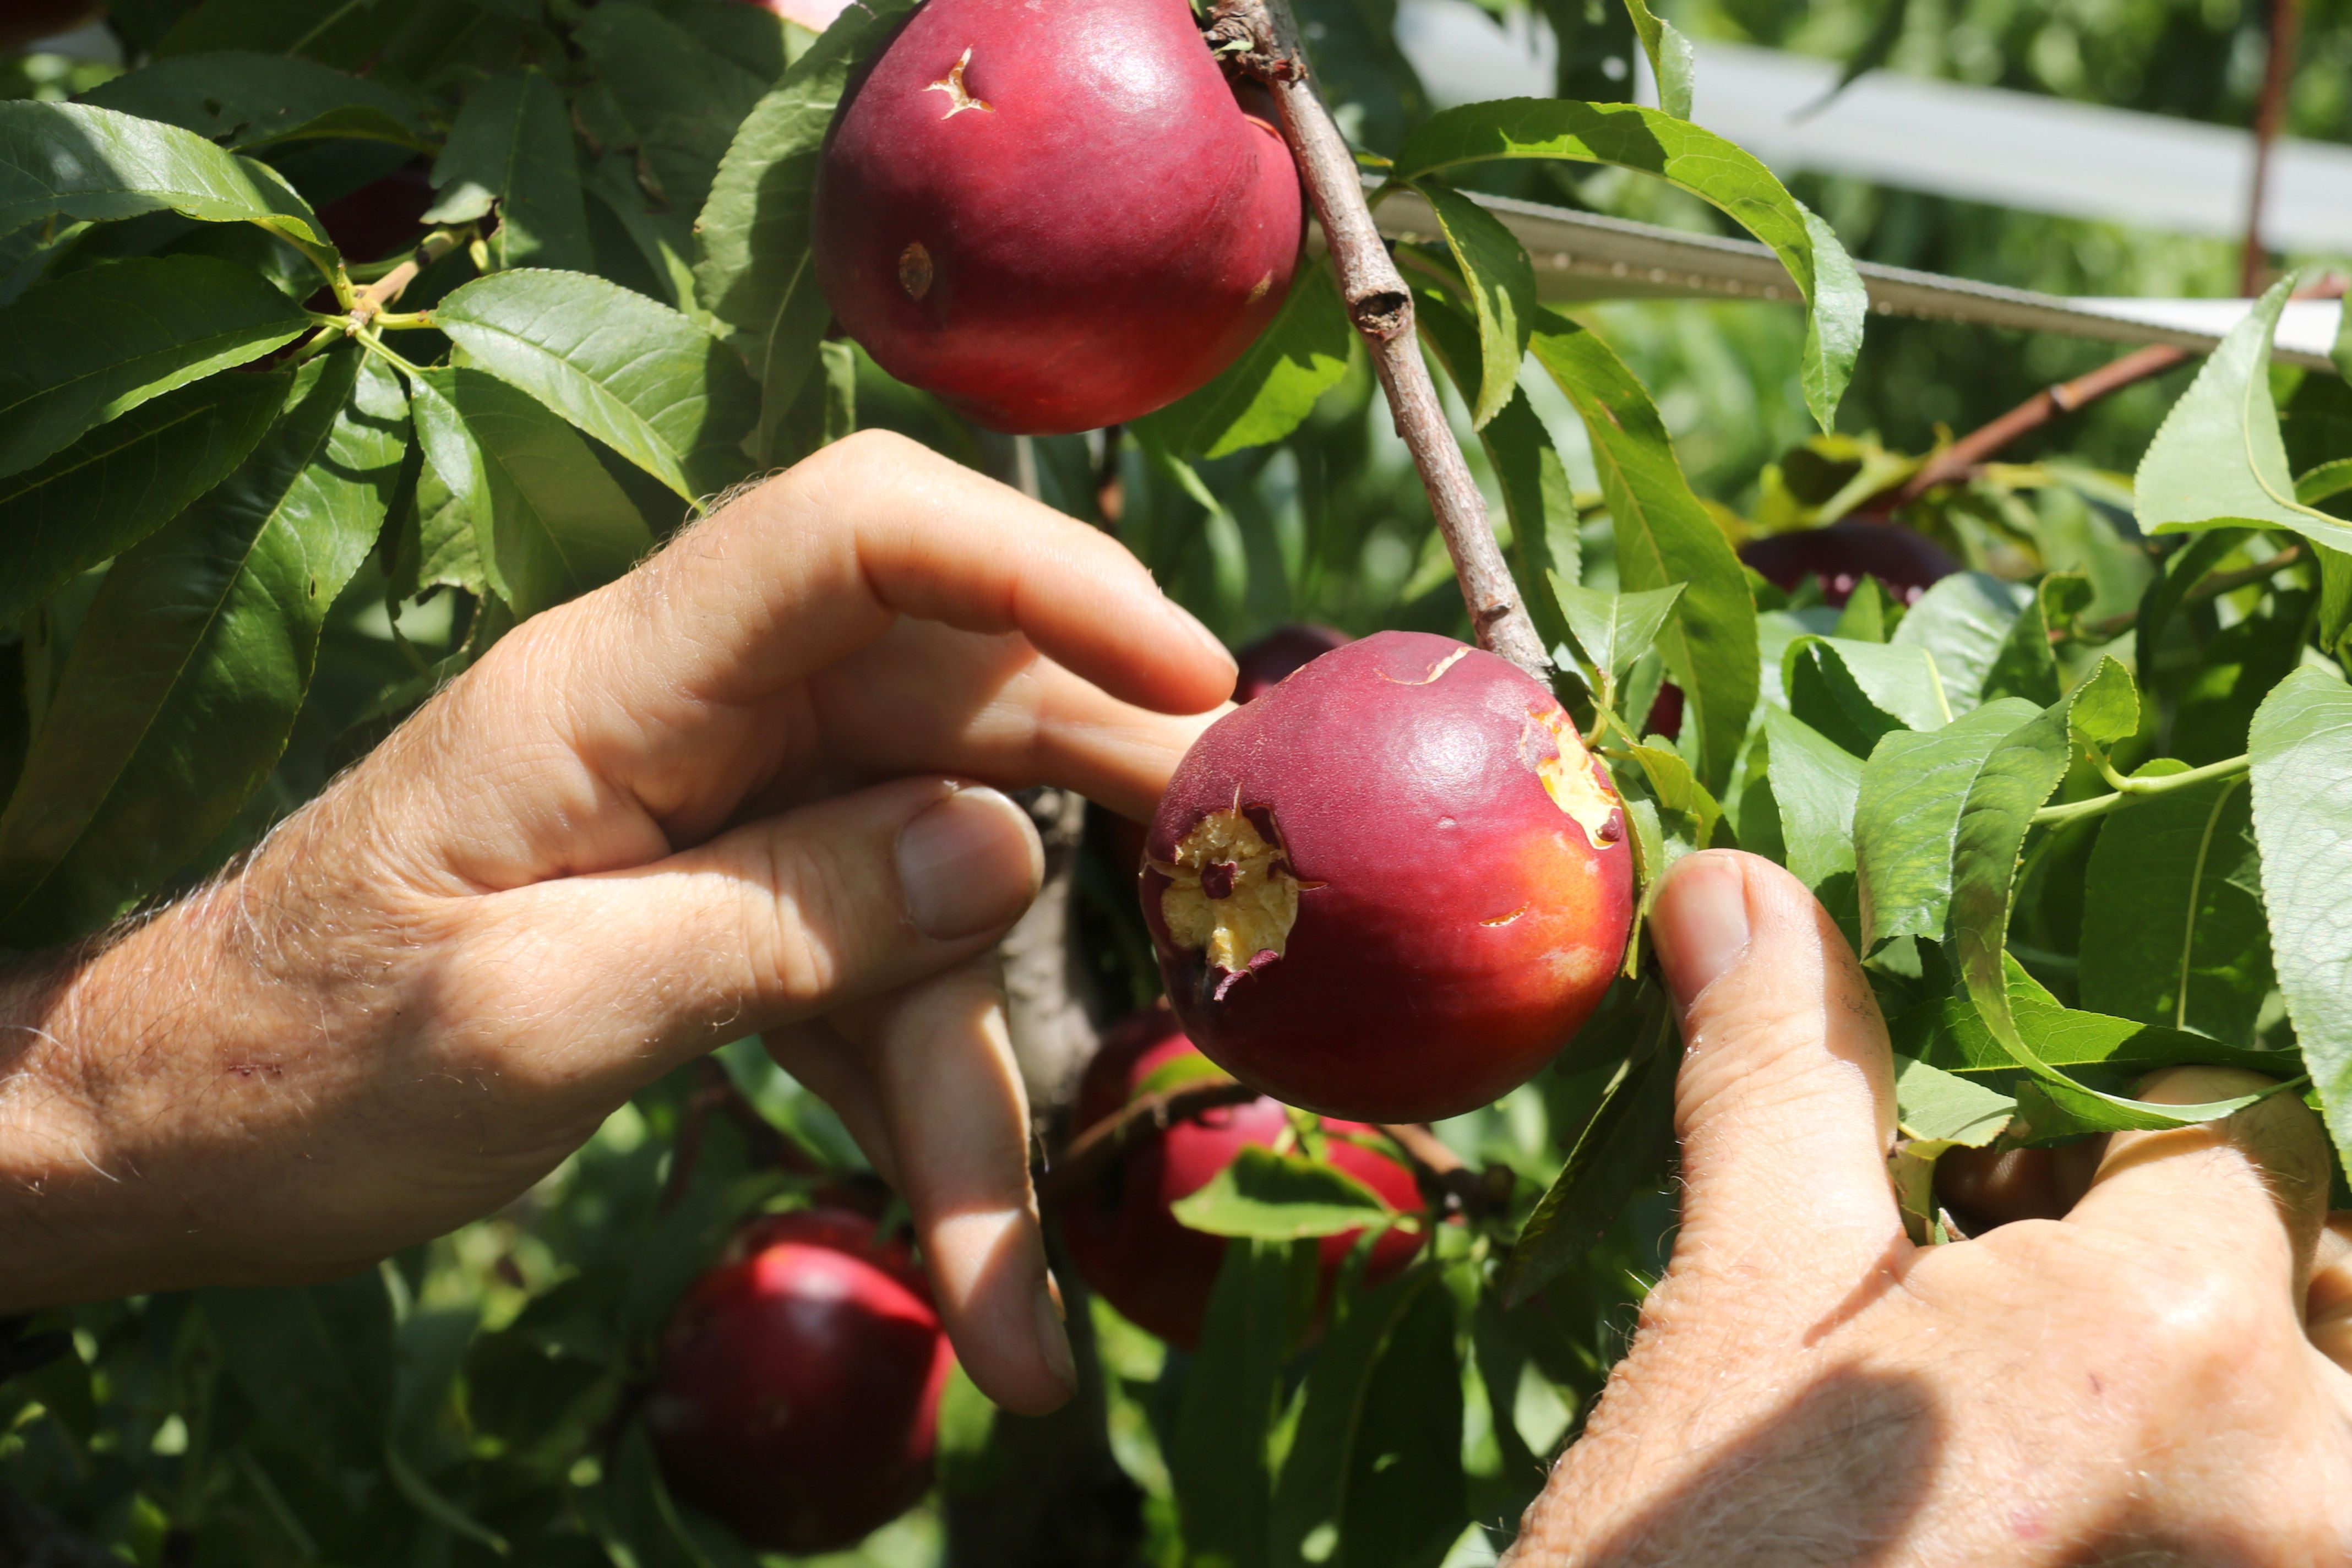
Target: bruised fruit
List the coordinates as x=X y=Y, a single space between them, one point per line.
x=1391 y=887
x=1053 y=216
x=1282 y=651
x=1135 y=1253
x=798 y=1394
x=1843 y=553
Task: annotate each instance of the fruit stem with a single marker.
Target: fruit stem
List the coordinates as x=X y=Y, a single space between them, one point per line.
x=1093 y=1150
x=1261 y=38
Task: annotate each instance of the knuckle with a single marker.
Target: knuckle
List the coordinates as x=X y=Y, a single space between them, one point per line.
x=791 y=909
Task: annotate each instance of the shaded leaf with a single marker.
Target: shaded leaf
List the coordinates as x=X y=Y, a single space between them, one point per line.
x=1405 y=1501
x=1670 y=58
x=185 y=680
x=1499 y=282
x=549 y=523
x=2025 y=666
x=629 y=370
x=124 y=479
x=79 y=350
x=512 y=146
x=1962 y=622
x=246 y=99
x=2173 y=930
x=684 y=100
x=1269 y=391
x=1218 y=1459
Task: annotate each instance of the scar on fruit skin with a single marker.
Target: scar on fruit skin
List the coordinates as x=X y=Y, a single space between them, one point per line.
x=1440 y=668
x=1232 y=894
x=915 y=270
x=959 y=97
x=1567 y=777
x=1261 y=288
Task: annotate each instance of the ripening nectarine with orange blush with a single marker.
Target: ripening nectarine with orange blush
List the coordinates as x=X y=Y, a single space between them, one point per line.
x=1391 y=887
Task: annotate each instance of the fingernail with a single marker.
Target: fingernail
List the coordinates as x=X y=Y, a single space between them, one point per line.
x=1053 y=1335
x=969 y=864
x=1701 y=923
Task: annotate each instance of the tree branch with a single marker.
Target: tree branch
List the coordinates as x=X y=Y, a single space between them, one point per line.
x=1260 y=38
x=1098 y=1147
x=2269 y=115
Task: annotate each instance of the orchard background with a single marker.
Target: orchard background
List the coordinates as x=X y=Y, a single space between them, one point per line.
x=2086 y=806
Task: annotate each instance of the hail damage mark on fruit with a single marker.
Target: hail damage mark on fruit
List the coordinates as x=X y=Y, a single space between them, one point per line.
x=915 y=270
x=1506 y=920
x=1261 y=288
x=1440 y=668
x=959 y=97
x=1556 y=754
x=1231 y=894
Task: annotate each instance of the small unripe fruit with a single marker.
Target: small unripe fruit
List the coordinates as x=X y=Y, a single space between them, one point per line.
x=1053 y=216
x=1282 y=651
x=1141 y=1258
x=1843 y=553
x=798 y=1394
x=1391 y=887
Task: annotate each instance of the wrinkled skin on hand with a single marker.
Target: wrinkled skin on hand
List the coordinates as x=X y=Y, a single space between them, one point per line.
x=2134 y=1383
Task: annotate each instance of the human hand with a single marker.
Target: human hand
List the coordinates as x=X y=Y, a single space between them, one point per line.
x=2134 y=1383
x=731 y=792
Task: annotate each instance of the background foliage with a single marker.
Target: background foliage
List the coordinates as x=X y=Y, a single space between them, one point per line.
x=2084 y=810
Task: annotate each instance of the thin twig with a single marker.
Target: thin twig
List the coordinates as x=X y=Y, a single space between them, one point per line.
x=2211 y=587
x=1094 y=1150
x=1960 y=459
x=2269 y=115
x=1445 y=1174
x=1260 y=38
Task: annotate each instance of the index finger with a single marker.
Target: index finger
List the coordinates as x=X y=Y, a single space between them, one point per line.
x=819 y=561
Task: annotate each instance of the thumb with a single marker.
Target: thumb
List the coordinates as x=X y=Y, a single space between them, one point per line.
x=1785 y=1102
x=629 y=971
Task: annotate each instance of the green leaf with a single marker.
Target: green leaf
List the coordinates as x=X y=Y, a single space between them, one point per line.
x=2218 y=460
x=1537 y=495
x=1267 y=393
x=684 y=100
x=754 y=273
x=186 y=675
x=1280 y=1198
x=1816 y=783
x=1218 y=1457
x=2016 y=779
x=1699 y=162
x=1405 y=1501
x=1500 y=283
x=1664 y=537
x=2302 y=752
x=1615 y=629
x=2172 y=913
x=629 y=370
x=1951 y=1034
x=349 y=34
x=1312 y=1493
x=2191 y=561
x=75 y=352
x=512 y=146
x=2025 y=666
x=246 y=99
x=1676 y=789
x=1947 y=1109
x=1670 y=58
x=1855 y=693
x=1627 y=1143
x=549 y=523
x=125 y=480
x=73 y=160
x=1870 y=614
x=1907 y=819
x=1962 y=622
x=2324 y=482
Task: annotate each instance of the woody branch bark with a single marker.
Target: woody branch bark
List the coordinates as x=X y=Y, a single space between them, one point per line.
x=1263 y=39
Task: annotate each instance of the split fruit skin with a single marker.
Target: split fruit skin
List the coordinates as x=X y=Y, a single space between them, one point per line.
x=1845 y=552
x=798 y=1394
x=1136 y=1254
x=1393 y=886
x=1056 y=218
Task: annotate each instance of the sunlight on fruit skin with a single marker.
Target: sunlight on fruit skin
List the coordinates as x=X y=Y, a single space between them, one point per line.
x=1138 y=1256
x=1843 y=553
x=1456 y=924
x=798 y=1394
x=1070 y=228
